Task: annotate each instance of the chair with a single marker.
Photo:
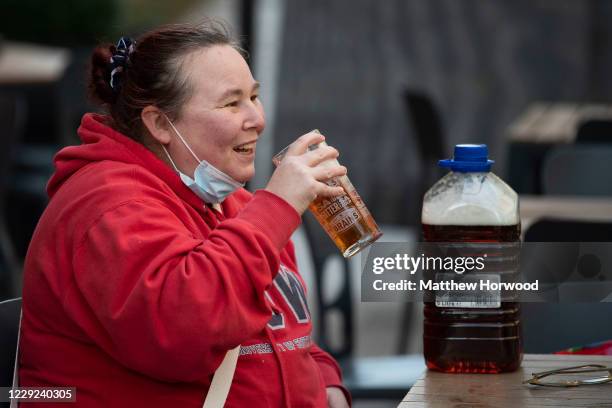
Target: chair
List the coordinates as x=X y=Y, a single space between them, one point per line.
x=428 y=129
x=578 y=170
x=430 y=141
x=594 y=131
x=368 y=377
x=10 y=311
x=550 y=327
x=12 y=119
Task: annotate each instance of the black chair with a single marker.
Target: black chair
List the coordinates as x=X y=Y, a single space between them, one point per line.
x=428 y=129
x=578 y=170
x=12 y=120
x=10 y=311
x=594 y=131
x=431 y=144
x=550 y=327
x=367 y=377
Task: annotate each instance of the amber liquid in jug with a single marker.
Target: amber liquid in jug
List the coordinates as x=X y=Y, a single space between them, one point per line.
x=472 y=340
x=472 y=205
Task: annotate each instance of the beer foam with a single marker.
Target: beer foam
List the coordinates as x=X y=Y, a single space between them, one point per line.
x=468 y=199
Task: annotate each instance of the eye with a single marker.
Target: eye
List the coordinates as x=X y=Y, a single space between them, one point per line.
x=254 y=97
x=231 y=104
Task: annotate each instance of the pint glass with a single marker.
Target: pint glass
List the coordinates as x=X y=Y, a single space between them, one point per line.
x=345 y=218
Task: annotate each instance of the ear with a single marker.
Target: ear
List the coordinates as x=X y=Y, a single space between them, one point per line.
x=157 y=124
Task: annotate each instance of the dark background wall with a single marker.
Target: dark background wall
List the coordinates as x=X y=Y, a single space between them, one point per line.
x=345 y=64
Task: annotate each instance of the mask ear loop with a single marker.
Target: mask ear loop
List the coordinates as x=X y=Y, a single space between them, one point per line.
x=170 y=158
x=219 y=173
x=182 y=140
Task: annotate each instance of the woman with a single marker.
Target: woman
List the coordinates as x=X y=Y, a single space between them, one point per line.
x=151 y=261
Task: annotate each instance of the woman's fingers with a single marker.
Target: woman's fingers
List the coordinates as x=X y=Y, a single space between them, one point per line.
x=300 y=146
x=323 y=173
x=319 y=155
x=302 y=174
x=329 y=191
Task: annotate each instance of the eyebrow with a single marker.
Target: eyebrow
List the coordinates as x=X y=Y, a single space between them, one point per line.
x=237 y=92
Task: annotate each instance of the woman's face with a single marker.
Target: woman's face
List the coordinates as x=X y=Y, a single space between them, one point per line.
x=223 y=118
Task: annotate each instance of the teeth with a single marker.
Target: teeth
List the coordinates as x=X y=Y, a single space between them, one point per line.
x=244 y=148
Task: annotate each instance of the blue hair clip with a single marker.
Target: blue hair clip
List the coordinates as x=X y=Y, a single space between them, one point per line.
x=119 y=59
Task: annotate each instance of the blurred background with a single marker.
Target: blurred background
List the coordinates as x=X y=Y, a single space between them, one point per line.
x=393 y=84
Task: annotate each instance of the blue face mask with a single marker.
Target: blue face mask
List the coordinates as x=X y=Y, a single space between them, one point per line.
x=210 y=184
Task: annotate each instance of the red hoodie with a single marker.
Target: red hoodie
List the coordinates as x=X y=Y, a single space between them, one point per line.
x=134 y=289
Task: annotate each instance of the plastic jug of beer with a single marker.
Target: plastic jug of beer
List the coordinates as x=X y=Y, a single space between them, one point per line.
x=470 y=204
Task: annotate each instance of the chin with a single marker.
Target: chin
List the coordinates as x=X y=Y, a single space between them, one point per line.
x=244 y=175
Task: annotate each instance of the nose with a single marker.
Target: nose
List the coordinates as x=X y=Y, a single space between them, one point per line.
x=256 y=118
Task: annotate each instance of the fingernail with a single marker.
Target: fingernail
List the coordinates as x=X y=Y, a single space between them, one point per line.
x=317 y=132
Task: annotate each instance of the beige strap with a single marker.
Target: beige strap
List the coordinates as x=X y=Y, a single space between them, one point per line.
x=222 y=380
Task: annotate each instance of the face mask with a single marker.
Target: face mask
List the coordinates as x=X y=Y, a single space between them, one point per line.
x=210 y=184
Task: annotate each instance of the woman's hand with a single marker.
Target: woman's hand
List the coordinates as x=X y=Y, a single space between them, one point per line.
x=300 y=176
x=336 y=398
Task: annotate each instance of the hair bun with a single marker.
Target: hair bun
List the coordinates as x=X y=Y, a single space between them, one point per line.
x=99 y=75
x=125 y=78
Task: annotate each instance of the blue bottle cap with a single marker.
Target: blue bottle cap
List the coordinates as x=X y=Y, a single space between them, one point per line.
x=469 y=158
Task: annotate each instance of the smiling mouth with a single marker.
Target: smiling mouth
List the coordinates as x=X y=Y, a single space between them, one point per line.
x=246 y=148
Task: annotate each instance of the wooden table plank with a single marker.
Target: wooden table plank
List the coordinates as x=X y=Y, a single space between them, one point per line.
x=594 y=111
x=506 y=390
x=559 y=124
x=564 y=207
x=522 y=129
x=499 y=404
x=554 y=123
x=501 y=400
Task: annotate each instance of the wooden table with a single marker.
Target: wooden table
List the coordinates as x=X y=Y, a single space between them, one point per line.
x=554 y=123
x=533 y=207
x=537 y=131
x=439 y=390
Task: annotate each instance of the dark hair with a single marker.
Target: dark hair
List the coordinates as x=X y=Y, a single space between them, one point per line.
x=152 y=74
